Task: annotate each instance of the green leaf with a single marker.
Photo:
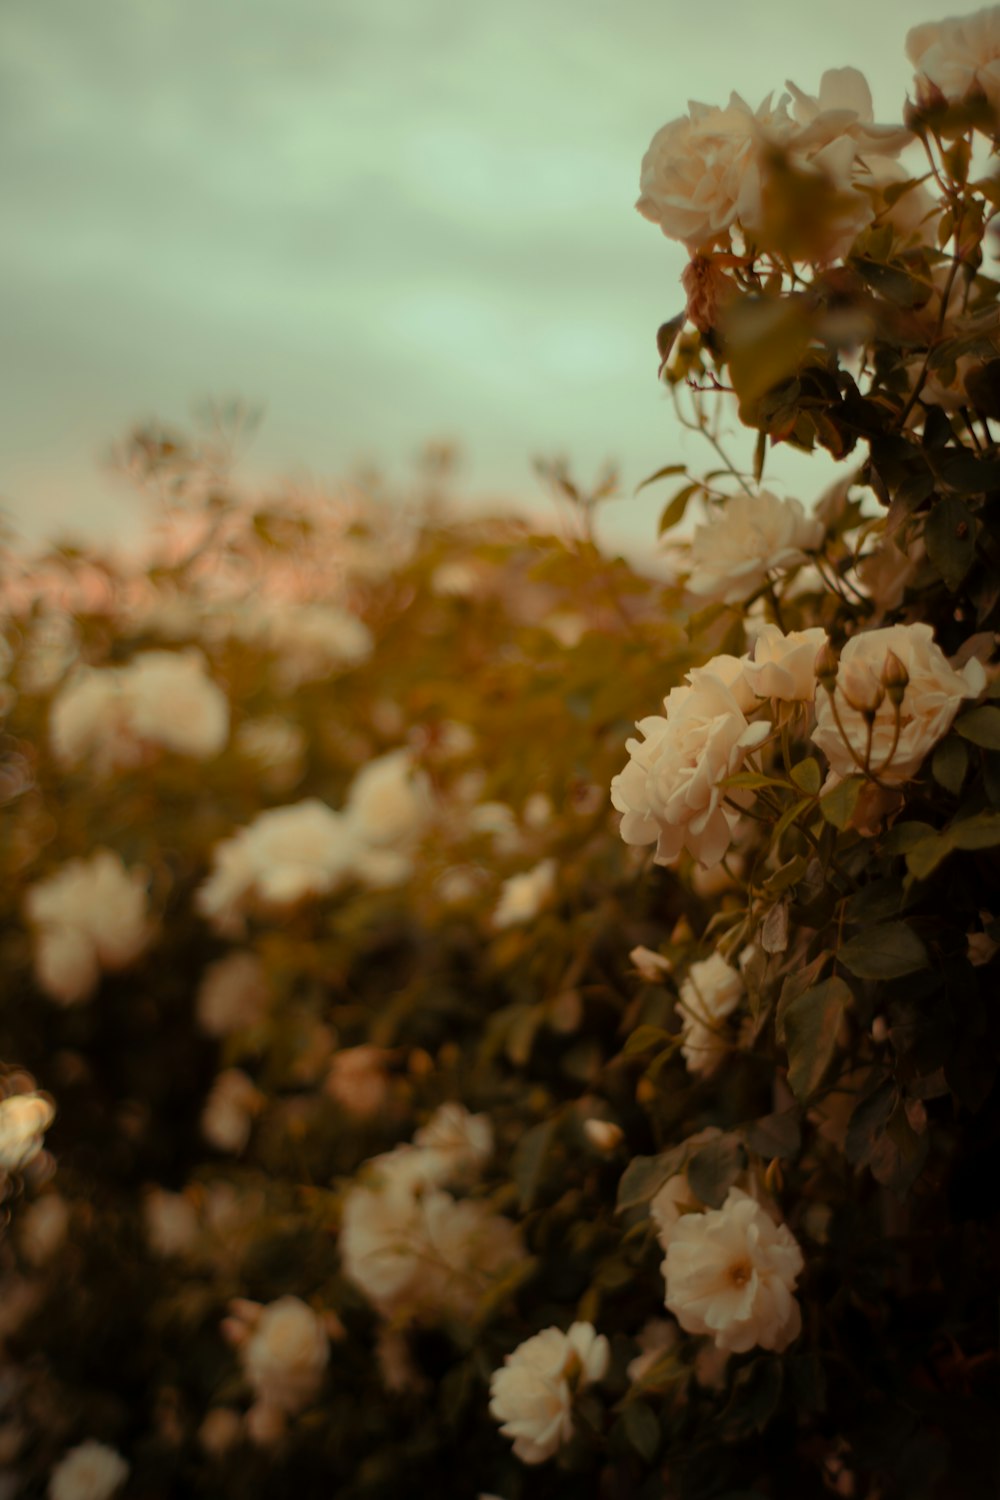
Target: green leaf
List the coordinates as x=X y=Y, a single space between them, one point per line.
x=530 y=1158
x=837 y=805
x=785 y=876
x=750 y=780
x=808 y=776
x=644 y=1039
x=950 y=539
x=641 y=1429
x=755 y=1397
x=644 y=1176
x=906 y=836
x=979 y=832
x=885 y=951
x=950 y=764
x=663 y=473
x=789 y=816
x=673 y=513
x=811 y=1024
x=775 y=1135
x=714 y=1168
x=981 y=726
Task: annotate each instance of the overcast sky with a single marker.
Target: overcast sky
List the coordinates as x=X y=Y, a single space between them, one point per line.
x=384 y=220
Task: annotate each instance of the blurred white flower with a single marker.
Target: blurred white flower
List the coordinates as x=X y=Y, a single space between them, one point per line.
x=463 y=1141
x=311 y=641
x=655 y=1338
x=389 y=801
x=221 y=1430
x=523 y=896
x=670 y=791
x=957 y=54
x=91 y=1471
x=88 y=916
x=286 y=1354
x=229 y=1110
x=730 y=1273
x=932 y=697
x=752 y=536
x=710 y=992
x=357 y=1079
x=275 y=747
x=604 y=1135
x=24 y=1119
x=650 y=966
x=783 y=665
x=170 y=1221
x=531 y=1395
x=41 y=1228
x=233 y=994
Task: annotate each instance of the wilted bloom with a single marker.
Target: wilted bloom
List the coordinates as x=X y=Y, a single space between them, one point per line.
x=233 y=994
x=286 y=1354
x=523 y=896
x=730 y=1273
x=24 y=1119
x=91 y=1471
x=752 y=536
x=670 y=791
x=531 y=1396
x=932 y=697
x=88 y=916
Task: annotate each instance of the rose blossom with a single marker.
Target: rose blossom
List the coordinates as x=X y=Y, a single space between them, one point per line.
x=170 y=1221
x=91 y=1471
x=701 y=175
x=782 y=665
x=932 y=697
x=24 y=1119
x=730 y=1273
x=357 y=1079
x=89 y=916
x=957 y=54
x=733 y=553
x=464 y=1141
x=531 y=1396
x=233 y=994
x=389 y=800
x=523 y=896
x=670 y=791
x=710 y=992
x=227 y=1116
x=41 y=1228
x=286 y=1354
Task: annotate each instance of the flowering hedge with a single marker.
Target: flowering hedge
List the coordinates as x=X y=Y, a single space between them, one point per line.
x=442 y=1088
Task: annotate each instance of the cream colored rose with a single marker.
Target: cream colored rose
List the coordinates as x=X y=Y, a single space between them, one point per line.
x=228 y=1114
x=531 y=1396
x=730 y=1273
x=41 y=1228
x=670 y=791
x=932 y=698
x=91 y=1471
x=233 y=994
x=710 y=992
x=89 y=720
x=173 y=703
x=24 y=1119
x=752 y=536
x=357 y=1079
x=88 y=917
x=782 y=665
x=523 y=896
x=465 y=1141
x=843 y=109
x=286 y=1354
x=170 y=1221
x=701 y=175
x=389 y=800
x=958 y=54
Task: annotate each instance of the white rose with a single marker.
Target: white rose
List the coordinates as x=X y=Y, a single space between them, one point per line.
x=656 y=1338
x=24 y=1119
x=464 y=1140
x=670 y=791
x=220 y=1431
x=523 y=896
x=389 y=800
x=358 y=1081
x=843 y=108
x=286 y=1355
x=41 y=1228
x=710 y=992
x=229 y=1110
x=91 y=1471
x=172 y=702
x=783 y=665
x=275 y=747
x=89 y=720
x=90 y=915
x=733 y=554
x=730 y=1273
x=531 y=1396
x=233 y=994
x=311 y=641
x=701 y=175
x=170 y=1221
x=957 y=54
x=932 y=698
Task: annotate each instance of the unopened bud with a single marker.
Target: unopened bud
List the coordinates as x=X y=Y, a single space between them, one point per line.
x=861 y=687
x=603 y=1135
x=826 y=666
x=895 y=678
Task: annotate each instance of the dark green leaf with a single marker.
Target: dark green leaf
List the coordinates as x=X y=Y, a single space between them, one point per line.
x=755 y=1397
x=775 y=1135
x=641 y=1429
x=644 y=1176
x=981 y=726
x=811 y=1025
x=714 y=1168
x=837 y=806
x=808 y=776
x=950 y=764
x=906 y=836
x=884 y=952
x=950 y=539
x=530 y=1158
x=644 y=1039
